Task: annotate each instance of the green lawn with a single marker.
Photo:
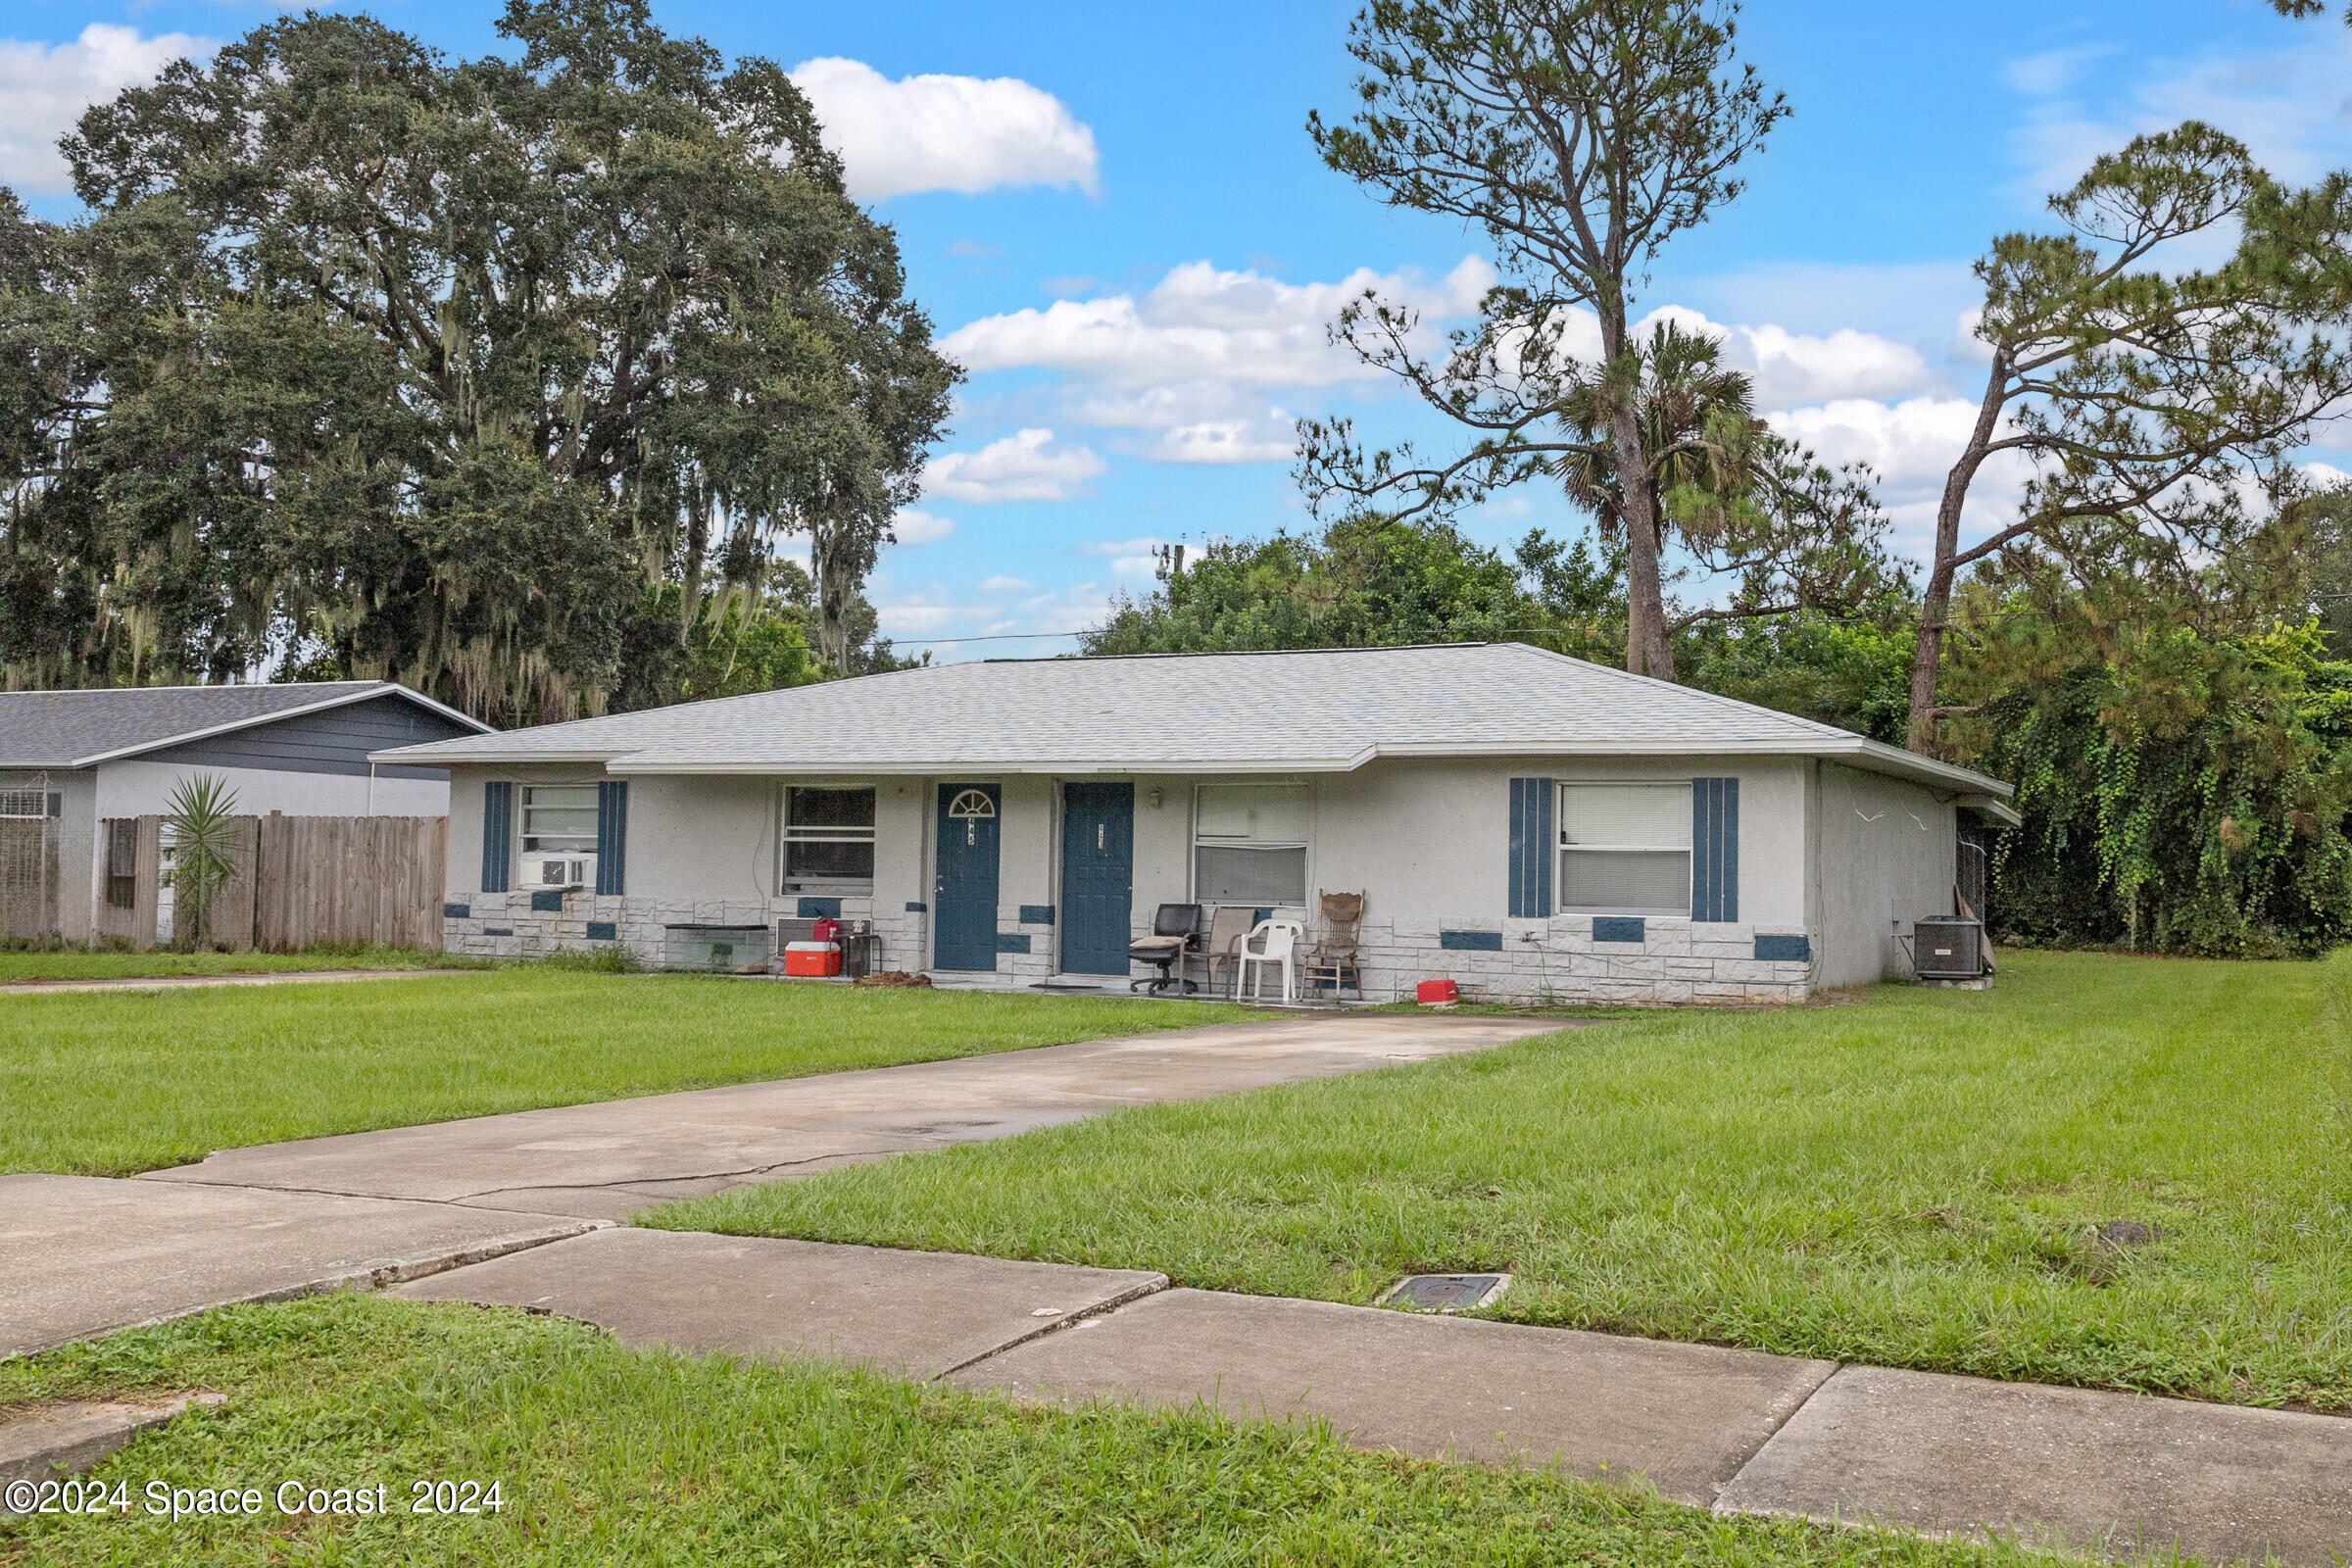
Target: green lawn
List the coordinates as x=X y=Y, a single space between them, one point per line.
x=609 y=1456
x=79 y=964
x=106 y=1083
x=1910 y=1180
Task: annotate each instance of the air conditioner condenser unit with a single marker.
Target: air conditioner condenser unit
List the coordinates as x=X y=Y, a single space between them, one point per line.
x=1947 y=948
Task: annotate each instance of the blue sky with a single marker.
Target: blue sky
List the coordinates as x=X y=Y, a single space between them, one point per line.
x=1114 y=216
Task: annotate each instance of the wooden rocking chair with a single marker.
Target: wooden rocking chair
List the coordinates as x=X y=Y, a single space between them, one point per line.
x=1333 y=960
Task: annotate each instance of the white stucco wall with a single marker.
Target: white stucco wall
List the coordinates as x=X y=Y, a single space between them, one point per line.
x=144 y=789
x=1427 y=841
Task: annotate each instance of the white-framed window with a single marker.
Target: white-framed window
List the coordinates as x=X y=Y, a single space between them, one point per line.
x=1249 y=844
x=559 y=820
x=23 y=803
x=1625 y=849
x=827 y=841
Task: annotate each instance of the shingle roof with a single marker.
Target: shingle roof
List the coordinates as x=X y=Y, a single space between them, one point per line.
x=74 y=728
x=1319 y=710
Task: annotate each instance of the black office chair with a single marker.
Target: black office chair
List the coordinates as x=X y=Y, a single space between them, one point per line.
x=1175 y=927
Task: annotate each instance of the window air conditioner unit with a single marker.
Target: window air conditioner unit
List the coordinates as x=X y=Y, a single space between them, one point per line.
x=557 y=871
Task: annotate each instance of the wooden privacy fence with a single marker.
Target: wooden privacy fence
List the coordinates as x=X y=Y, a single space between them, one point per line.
x=299 y=880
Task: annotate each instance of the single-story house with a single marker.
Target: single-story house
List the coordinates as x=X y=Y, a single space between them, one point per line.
x=1526 y=824
x=73 y=760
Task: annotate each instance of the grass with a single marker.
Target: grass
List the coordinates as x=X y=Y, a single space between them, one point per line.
x=108 y=1082
x=1911 y=1180
x=612 y=1456
x=77 y=963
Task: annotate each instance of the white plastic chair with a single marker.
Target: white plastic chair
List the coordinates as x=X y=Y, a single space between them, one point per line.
x=1274 y=941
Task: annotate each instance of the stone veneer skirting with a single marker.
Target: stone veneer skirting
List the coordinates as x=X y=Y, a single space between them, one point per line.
x=1557 y=959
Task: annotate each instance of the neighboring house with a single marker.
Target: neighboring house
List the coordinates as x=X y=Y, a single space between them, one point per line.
x=70 y=761
x=1528 y=824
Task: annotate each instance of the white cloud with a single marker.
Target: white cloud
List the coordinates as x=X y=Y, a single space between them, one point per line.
x=2052 y=70
x=934 y=132
x=914 y=526
x=1203 y=324
x=1270 y=440
x=1791 y=367
x=898 y=621
x=2290 y=108
x=1787 y=368
x=46 y=88
x=1023 y=467
x=1190 y=361
x=1005 y=585
x=1912 y=445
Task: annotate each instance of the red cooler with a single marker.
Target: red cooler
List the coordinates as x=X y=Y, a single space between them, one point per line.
x=812 y=960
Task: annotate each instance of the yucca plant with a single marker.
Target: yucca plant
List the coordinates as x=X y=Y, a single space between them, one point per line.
x=204 y=812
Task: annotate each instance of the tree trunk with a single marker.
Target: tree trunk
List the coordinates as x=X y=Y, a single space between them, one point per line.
x=827 y=572
x=1645 y=648
x=697 y=551
x=1646 y=651
x=1936 y=604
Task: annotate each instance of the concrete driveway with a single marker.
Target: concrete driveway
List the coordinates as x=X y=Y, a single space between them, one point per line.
x=610 y=1160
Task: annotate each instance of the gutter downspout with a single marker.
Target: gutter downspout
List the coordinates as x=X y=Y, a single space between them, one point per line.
x=371 y=786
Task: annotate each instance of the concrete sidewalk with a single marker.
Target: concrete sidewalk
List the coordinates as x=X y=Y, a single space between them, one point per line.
x=82 y=1255
x=613 y=1159
x=1736 y=1431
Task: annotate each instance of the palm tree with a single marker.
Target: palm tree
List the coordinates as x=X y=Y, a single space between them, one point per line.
x=1703 y=448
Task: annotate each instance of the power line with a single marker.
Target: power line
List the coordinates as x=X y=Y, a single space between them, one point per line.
x=999 y=637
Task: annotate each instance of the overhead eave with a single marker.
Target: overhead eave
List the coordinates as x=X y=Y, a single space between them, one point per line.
x=430 y=753
x=1872 y=756
x=1989 y=806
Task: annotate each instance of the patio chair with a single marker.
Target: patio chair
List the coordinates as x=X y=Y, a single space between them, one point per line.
x=1273 y=942
x=1225 y=934
x=1174 y=928
x=1333 y=961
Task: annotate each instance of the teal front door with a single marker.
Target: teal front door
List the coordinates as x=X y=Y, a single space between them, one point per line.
x=963 y=897
x=1097 y=877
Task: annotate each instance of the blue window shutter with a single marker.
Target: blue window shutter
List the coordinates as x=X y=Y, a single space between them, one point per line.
x=611 y=836
x=1715 y=850
x=498 y=833
x=1532 y=834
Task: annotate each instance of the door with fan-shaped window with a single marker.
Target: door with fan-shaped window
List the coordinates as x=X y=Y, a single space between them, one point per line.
x=964 y=895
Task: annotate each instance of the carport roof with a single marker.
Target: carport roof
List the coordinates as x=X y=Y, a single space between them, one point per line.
x=1313 y=710
x=80 y=729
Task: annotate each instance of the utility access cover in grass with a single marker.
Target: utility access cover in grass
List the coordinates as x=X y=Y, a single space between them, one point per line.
x=1445 y=1293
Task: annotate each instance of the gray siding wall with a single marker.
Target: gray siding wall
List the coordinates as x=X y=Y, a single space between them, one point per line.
x=1885 y=859
x=336 y=741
